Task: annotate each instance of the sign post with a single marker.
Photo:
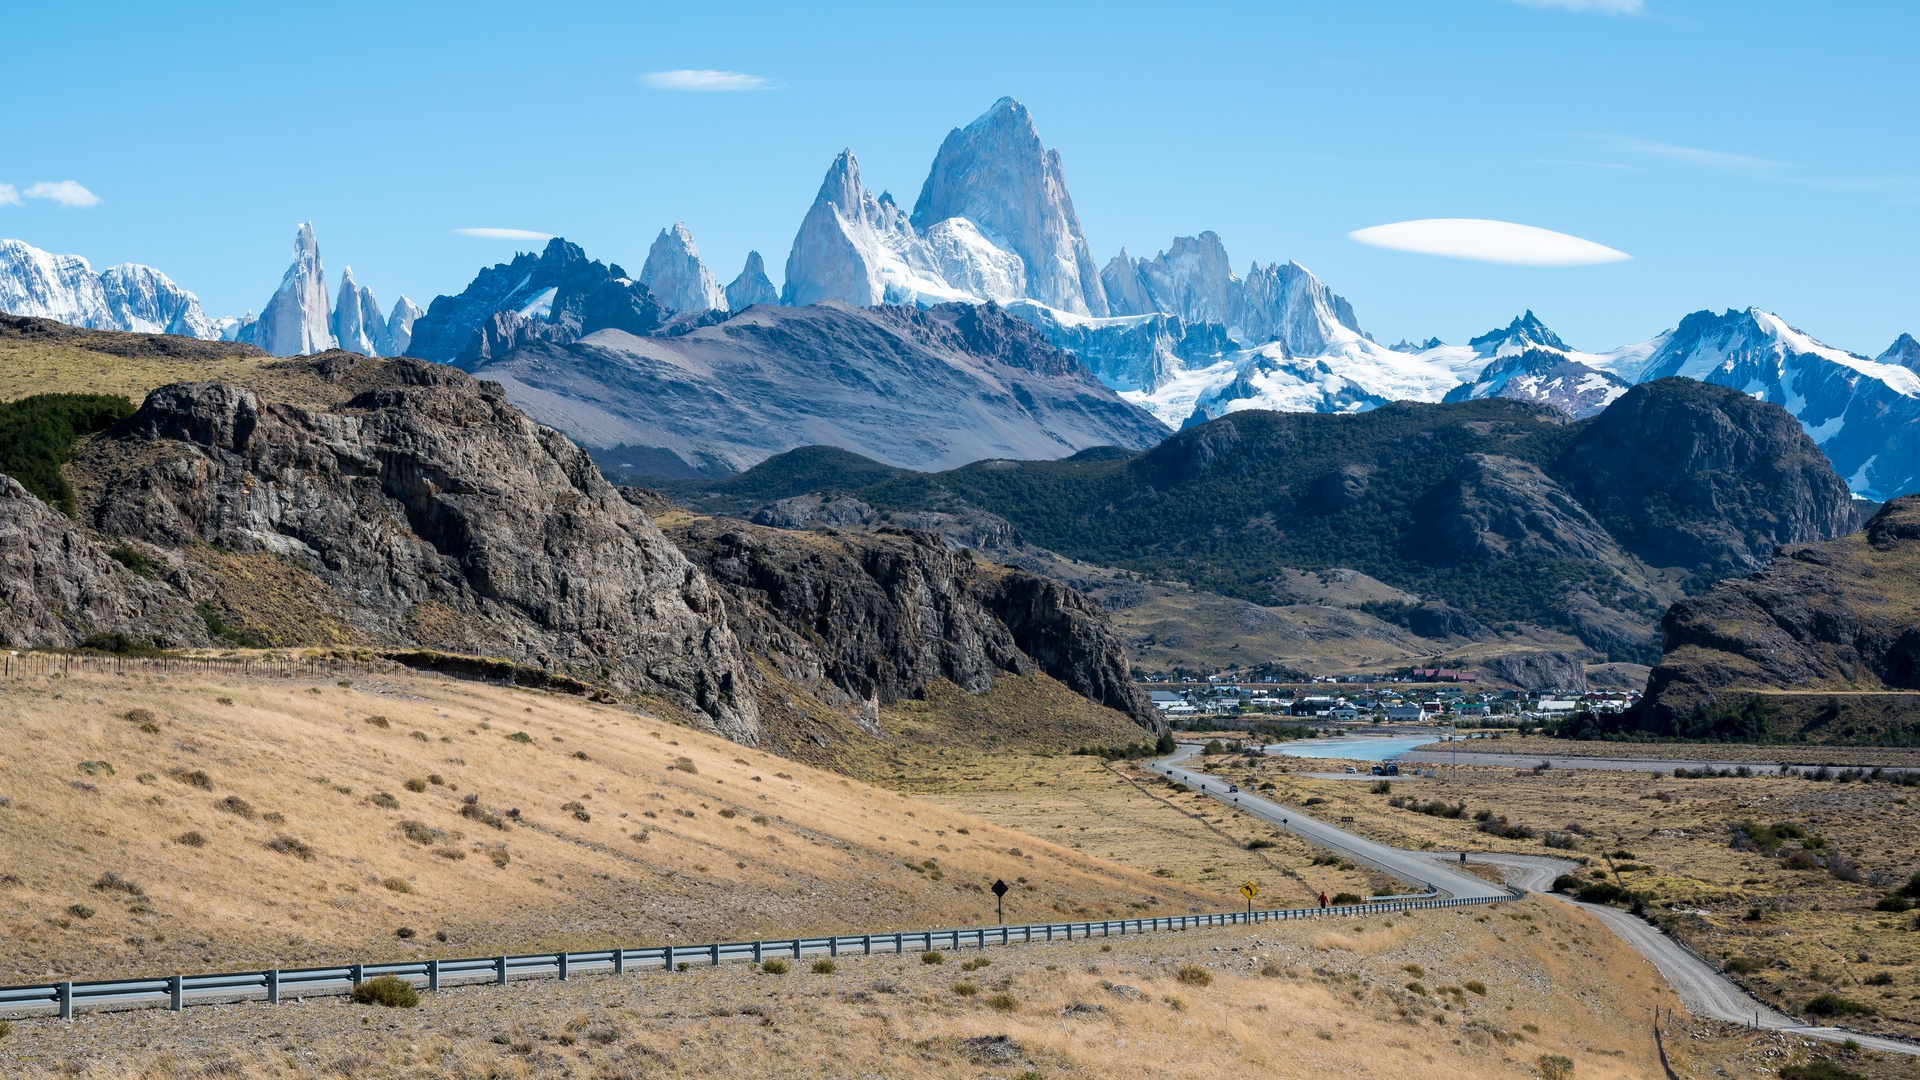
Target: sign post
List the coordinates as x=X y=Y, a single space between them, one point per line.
x=1249 y=890
x=1000 y=899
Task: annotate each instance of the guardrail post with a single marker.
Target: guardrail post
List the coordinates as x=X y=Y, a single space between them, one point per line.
x=713 y=952
x=563 y=966
x=500 y=970
x=176 y=993
x=796 y=948
x=899 y=944
x=433 y=975
x=756 y=954
x=866 y=944
x=833 y=945
x=273 y=987
x=1049 y=931
x=359 y=973
x=669 y=956
x=64 y=994
x=619 y=961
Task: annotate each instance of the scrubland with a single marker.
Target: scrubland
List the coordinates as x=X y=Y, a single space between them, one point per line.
x=155 y=824
x=1468 y=993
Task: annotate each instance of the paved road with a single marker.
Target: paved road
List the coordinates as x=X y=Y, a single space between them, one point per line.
x=1702 y=988
x=1410 y=866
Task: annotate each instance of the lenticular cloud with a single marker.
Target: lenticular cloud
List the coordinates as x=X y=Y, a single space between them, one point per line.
x=1489 y=241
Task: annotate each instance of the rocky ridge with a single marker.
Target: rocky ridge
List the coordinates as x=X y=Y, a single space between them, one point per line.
x=1838 y=615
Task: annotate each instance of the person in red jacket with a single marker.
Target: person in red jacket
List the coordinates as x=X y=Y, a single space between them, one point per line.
x=1323 y=901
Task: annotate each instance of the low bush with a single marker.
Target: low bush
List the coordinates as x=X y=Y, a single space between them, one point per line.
x=399 y=885
x=686 y=765
x=1554 y=1066
x=191 y=839
x=1895 y=903
x=965 y=989
x=1834 y=1005
x=1193 y=975
x=192 y=778
x=774 y=967
x=416 y=785
x=824 y=966
x=237 y=806
x=1345 y=898
x=1260 y=843
x=1603 y=892
x=1002 y=1003
x=933 y=956
x=80 y=911
x=1743 y=965
x=287 y=845
x=1475 y=986
x=394 y=993
x=1879 y=978
x=1821 y=1069
x=112 y=882
x=520 y=737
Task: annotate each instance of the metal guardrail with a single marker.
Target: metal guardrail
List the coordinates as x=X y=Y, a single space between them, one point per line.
x=23 y=664
x=176 y=992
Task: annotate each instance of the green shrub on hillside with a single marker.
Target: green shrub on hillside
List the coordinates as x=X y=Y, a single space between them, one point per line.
x=37 y=435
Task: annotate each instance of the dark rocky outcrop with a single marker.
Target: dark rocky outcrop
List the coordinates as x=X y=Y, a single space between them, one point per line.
x=869 y=619
x=426 y=511
x=1438 y=620
x=1688 y=474
x=1542 y=670
x=60 y=588
x=1839 y=616
x=1496 y=507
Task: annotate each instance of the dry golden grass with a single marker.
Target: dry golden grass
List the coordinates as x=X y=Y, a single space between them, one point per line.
x=1538 y=746
x=1815 y=933
x=1114 y=1008
x=745 y=844
x=1699 y=1050
x=26 y=370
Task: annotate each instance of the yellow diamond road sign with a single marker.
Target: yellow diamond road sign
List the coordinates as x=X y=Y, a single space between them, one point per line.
x=1249 y=890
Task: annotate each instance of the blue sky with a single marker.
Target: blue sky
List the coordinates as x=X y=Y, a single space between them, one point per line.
x=1745 y=152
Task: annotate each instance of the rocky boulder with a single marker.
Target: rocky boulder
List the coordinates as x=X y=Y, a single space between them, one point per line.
x=1542 y=670
x=434 y=514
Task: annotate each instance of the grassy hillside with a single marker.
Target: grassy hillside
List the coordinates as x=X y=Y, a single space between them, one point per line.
x=257 y=822
x=39 y=356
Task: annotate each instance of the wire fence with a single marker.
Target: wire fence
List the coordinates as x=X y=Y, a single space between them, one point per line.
x=24 y=664
x=176 y=992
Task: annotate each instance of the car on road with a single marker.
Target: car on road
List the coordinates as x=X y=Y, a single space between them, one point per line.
x=1233 y=787
x=1351 y=769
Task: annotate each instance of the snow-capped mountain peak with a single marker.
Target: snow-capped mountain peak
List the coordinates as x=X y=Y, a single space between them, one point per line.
x=1525 y=332
x=677 y=276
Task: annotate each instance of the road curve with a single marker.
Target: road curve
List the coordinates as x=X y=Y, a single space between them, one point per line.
x=1414 y=867
x=1701 y=987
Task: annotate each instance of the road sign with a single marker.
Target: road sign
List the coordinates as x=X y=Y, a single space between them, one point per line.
x=1249 y=890
x=999 y=888
x=1000 y=899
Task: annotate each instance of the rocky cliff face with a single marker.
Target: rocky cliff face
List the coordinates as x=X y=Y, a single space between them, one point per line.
x=1839 y=615
x=997 y=175
x=677 y=277
x=60 y=588
x=868 y=619
x=1705 y=477
x=420 y=509
x=752 y=286
x=1547 y=377
x=296 y=321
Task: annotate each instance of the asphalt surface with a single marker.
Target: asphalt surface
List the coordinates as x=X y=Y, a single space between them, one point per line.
x=1414 y=867
x=1701 y=987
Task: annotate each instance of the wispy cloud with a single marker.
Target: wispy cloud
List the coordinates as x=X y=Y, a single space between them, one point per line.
x=505 y=234
x=9 y=195
x=1488 y=241
x=1604 y=7
x=1692 y=154
x=64 y=192
x=706 y=81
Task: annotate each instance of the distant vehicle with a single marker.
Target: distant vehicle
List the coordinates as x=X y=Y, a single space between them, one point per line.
x=1233 y=788
x=1393 y=770
x=1379 y=770
x=1351 y=769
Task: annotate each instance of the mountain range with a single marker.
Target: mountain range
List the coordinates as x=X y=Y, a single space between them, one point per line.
x=1181 y=334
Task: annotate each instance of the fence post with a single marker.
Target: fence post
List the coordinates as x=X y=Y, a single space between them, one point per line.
x=433 y=975
x=500 y=970
x=563 y=967
x=273 y=987
x=176 y=993
x=65 y=995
